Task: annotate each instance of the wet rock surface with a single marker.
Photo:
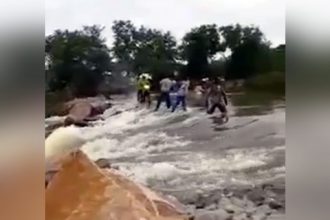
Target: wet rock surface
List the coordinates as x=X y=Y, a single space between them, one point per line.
x=103 y=194
x=258 y=203
x=79 y=112
x=212 y=215
x=103 y=163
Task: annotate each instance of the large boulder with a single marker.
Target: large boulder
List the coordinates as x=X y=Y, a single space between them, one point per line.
x=81 y=190
x=98 y=104
x=79 y=110
x=82 y=110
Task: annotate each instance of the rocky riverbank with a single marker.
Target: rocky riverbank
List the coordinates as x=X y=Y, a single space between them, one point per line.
x=258 y=203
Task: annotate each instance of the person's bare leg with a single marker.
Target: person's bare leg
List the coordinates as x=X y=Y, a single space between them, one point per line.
x=225 y=117
x=224 y=113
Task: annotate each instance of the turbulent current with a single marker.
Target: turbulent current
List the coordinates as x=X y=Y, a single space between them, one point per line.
x=189 y=153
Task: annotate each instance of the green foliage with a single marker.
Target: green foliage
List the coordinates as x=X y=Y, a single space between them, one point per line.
x=278 y=58
x=198 y=46
x=262 y=89
x=251 y=52
x=77 y=60
x=249 y=58
x=273 y=82
x=150 y=50
x=236 y=35
x=232 y=35
x=144 y=49
x=217 y=68
x=124 y=47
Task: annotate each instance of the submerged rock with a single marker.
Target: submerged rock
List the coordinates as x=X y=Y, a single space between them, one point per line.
x=103 y=163
x=256 y=195
x=213 y=215
x=276 y=217
x=48 y=176
x=212 y=207
x=275 y=205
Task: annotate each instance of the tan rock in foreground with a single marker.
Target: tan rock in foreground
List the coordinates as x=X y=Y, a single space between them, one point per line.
x=82 y=191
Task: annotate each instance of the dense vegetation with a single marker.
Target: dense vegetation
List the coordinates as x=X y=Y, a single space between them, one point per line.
x=78 y=61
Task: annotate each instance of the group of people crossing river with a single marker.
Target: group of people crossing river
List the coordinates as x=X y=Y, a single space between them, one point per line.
x=174 y=92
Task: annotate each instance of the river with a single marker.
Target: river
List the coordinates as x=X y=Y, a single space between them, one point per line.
x=195 y=157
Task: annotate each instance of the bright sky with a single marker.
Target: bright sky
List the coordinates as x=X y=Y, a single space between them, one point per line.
x=177 y=16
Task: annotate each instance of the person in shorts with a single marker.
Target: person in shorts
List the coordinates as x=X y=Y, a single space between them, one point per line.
x=217 y=98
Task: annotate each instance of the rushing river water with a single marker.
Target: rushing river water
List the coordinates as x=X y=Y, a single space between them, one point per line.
x=187 y=154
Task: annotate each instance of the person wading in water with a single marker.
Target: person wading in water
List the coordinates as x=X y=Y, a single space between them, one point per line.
x=144 y=87
x=217 y=98
x=182 y=91
x=165 y=87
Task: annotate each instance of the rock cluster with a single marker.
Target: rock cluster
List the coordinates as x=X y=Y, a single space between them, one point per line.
x=258 y=203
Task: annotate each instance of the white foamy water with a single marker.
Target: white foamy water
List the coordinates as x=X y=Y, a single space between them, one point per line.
x=54 y=120
x=136 y=140
x=190 y=153
x=202 y=170
x=137 y=146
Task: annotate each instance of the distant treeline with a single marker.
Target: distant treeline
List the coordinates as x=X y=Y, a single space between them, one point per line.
x=78 y=61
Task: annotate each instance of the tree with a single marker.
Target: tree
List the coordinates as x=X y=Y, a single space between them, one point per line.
x=198 y=47
x=232 y=35
x=217 y=68
x=145 y=49
x=124 y=46
x=156 y=52
x=248 y=59
x=278 y=58
x=250 y=51
x=236 y=35
x=77 y=60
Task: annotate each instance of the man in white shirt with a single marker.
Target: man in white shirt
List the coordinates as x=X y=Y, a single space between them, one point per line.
x=165 y=87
